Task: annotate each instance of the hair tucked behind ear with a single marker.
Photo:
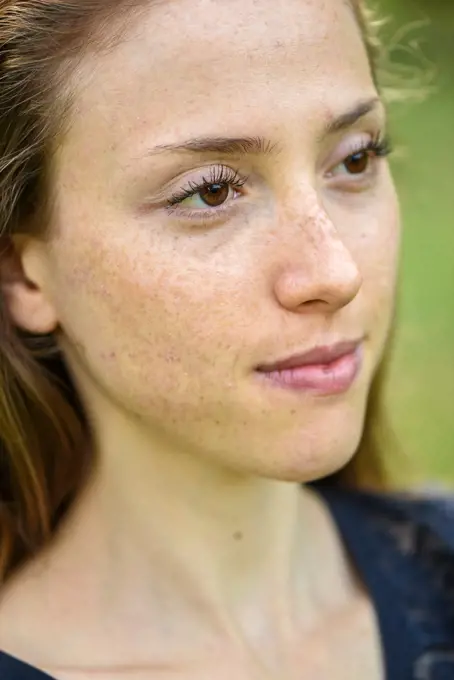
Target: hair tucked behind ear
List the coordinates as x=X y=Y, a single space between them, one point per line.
x=43 y=433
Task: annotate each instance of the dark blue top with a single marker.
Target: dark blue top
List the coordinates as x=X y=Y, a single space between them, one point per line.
x=403 y=547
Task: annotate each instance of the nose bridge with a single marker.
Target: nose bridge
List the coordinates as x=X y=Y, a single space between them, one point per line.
x=321 y=268
x=317 y=226
x=325 y=242
x=317 y=234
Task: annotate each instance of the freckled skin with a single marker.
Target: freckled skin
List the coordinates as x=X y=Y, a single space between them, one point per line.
x=165 y=321
x=186 y=540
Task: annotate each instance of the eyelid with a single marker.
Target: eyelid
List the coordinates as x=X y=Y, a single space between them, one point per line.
x=219 y=174
x=194 y=177
x=349 y=146
x=200 y=215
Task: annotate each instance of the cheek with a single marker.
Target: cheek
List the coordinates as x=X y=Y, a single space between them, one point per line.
x=377 y=252
x=140 y=316
x=382 y=259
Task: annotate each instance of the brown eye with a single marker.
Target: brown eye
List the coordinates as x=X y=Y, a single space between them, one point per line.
x=214 y=195
x=358 y=163
x=211 y=195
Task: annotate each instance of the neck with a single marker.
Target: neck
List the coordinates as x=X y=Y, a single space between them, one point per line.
x=174 y=538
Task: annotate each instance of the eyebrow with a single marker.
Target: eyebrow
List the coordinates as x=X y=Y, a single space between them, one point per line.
x=223 y=145
x=348 y=119
x=240 y=146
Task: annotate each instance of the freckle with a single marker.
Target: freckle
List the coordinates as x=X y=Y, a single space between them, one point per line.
x=238 y=535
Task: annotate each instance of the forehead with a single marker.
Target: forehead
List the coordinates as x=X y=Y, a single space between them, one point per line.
x=183 y=65
x=194 y=34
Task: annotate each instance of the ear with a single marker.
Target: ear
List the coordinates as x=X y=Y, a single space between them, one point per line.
x=22 y=279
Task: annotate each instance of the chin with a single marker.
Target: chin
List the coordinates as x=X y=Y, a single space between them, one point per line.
x=320 y=442
x=306 y=471
x=302 y=467
x=305 y=453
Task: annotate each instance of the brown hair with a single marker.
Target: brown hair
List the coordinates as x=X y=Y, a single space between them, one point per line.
x=42 y=424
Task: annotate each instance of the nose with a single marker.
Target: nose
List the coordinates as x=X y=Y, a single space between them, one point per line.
x=321 y=272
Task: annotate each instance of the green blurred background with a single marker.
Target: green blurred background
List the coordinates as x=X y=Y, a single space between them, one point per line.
x=421 y=389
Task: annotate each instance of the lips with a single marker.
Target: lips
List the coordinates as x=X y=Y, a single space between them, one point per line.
x=316 y=357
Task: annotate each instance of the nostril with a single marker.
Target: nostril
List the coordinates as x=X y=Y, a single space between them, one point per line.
x=314 y=303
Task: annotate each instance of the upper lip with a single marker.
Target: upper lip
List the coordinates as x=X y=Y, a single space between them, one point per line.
x=318 y=355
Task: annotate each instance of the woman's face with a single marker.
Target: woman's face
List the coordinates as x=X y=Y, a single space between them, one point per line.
x=222 y=203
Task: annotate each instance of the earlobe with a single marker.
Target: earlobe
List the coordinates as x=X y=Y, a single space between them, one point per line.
x=21 y=287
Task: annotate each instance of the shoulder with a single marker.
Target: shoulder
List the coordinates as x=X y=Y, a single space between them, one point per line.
x=415 y=531
x=12 y=668
x=403 y=545
x=416 y=523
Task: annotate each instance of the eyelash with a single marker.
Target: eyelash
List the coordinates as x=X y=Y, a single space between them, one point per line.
x=221 y=174
x=380 y=147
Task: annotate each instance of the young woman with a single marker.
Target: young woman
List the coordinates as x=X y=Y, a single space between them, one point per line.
x=199 y=244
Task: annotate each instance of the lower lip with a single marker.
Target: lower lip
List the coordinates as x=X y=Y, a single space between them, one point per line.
x=324 y=379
